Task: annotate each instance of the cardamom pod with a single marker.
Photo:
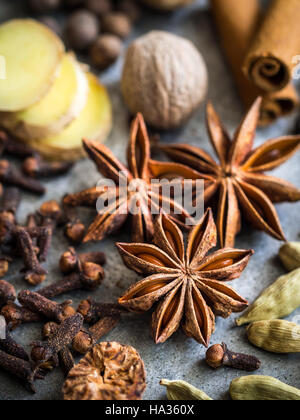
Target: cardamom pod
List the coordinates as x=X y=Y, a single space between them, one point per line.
x=259 y=388
x=275 y=336
x=181 y=390
x=290 y=255
x=277 y=301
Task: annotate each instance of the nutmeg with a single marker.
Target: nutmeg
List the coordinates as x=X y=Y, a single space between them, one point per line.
x=99 y=7
x=167 y=4
x=82 y=29
x=43 y=6
x=165 y=78
x=117 y=24
x=105 y=51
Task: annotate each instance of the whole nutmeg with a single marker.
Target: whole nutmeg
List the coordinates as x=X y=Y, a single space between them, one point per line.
x=82 y=29
x=165 y=78
x=130 y=8
x=105 y=51
x=43 y=6
x=99 y=7
x=167 y=4
x=117 y=24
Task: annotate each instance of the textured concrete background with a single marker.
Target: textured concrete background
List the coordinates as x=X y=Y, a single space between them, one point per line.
x=180 y=357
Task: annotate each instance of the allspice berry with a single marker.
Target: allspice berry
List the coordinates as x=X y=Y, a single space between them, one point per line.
x=167 y=4
x=82 y=29
x=165 y=78
x=43 y=6
x=99 y=7
x=117 y=24
x=105 y=51
x=130 y=8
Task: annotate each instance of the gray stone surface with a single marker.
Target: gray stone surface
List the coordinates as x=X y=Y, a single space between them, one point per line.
x=180 y=357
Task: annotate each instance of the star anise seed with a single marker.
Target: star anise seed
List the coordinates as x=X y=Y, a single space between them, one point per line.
x=237 y=182
x=188 y=284
x=140 y=193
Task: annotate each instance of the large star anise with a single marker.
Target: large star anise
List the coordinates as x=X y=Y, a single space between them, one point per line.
x=140 y=199
x=238 y=181
x=189 y=284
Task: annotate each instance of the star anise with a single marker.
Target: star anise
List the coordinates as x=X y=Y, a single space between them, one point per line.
x=238 y=182
x=189 y=284
x=140 y=197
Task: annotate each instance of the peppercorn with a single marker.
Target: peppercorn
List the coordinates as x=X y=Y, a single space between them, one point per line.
x=105 y=51
x=43 y=6
x=99 y=7
x=117 y=24
x=82 y=29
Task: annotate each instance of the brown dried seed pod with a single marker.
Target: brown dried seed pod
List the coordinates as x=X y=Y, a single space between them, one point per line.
x=110 y=371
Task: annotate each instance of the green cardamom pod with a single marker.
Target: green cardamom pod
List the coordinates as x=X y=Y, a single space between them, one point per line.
x=259 y=388
x=278 y=301
x=290 y=255
x=181 y=390
x=275 y=336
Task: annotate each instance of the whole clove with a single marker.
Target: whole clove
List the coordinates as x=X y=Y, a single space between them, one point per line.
x=65 y=357
x=70 y=260
x=93 y=311
x=10 y=346
x=9 y=206
x=4 y=265
x=42 y=352
x=86 y=339
x=45 y=307
x=10 y=175
x=16 y=315
x=34 y=273
x=7 y=293
x=21 y=369
x=219 y=355
x=49 y=214
x=89 y=277
x=74 y=228
x=13 y=147
x=35 y=166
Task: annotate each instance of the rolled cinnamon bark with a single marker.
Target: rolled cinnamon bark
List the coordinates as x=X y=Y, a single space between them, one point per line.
x=237 y=22
x=269 y=62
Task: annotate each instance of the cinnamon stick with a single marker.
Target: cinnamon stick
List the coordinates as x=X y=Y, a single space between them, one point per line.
x=269 y=62
x=237 y=22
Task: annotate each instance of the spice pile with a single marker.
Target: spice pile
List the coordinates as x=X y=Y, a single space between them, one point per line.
x=96 y=27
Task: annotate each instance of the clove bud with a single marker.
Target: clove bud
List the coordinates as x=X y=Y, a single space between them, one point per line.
x=86 y=339
x=219 y=355
x=7 y=293
x=45 y=307
x=20 y=369
x=65 y=357
x=71 y=261
x=36 y=167
x=42 y=352
x=11 y=176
